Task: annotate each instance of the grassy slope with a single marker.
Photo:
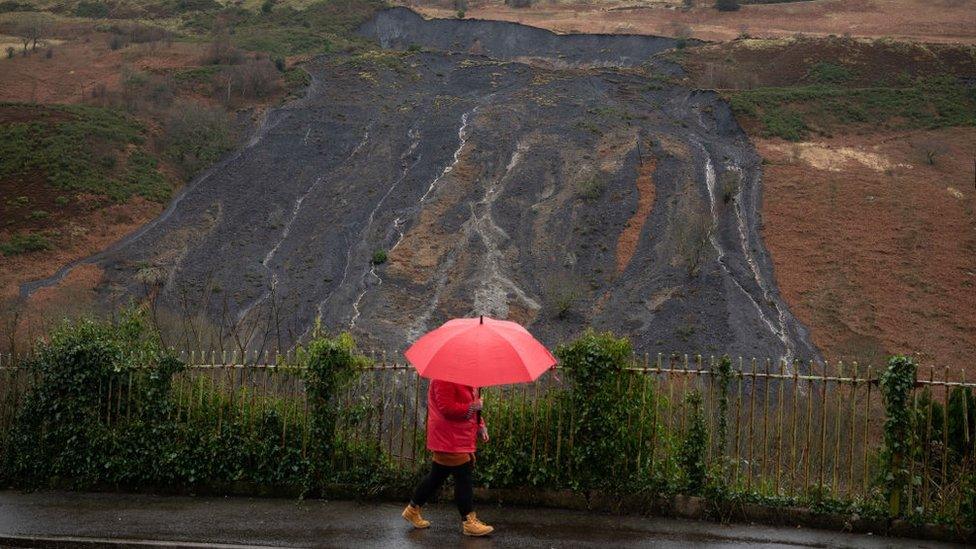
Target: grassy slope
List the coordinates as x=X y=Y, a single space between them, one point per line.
x=792 y=113
x=85 y=149
x=107 y=151
x=800 y=87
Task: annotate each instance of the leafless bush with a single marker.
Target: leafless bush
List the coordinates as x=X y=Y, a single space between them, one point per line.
x=255 y=79
x=123 y=34
x=11 y=311
x=679 y=30
x=30 y=29
x=222 y=51
x=691 y=240
x=725 y=77
x=930 y=149
x=99 y=91
x=561 y=293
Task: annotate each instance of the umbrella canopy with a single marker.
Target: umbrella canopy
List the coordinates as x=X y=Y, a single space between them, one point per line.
x=480 y=352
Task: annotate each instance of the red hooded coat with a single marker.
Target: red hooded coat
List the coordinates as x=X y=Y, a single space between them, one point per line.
x=449 y=427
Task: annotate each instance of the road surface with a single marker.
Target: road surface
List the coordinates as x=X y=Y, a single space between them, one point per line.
x=59 y=518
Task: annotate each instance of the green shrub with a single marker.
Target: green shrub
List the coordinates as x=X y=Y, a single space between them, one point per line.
x=792 y=112
x=602 y=444
x=13 y=5
x=897 y=383
x=784 y=123
x=524 y=438
x=829 y=73
x=87 y=8
x=379 y=257
x=25 y=243
x=60 y=435
x=296 y=79
x=591 y=188
x=112 y=407
x=196 y=136
x=329 y=365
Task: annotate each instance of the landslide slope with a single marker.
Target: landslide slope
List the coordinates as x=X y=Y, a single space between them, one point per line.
x=412 y=186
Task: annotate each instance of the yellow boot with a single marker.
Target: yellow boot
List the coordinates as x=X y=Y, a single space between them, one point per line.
x=474 y=527
x=412 y=515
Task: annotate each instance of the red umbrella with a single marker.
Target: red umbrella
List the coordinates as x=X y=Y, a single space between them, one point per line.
x=480 y=352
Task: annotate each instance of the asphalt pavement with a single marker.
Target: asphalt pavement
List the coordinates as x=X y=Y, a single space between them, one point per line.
x=65 y=519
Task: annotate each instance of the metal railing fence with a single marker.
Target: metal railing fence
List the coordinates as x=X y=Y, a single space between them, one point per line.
x=791 y=430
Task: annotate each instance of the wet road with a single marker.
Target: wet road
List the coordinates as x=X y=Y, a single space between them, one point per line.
x=133 y=519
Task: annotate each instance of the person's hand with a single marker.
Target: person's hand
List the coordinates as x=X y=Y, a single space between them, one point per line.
x=483 y=433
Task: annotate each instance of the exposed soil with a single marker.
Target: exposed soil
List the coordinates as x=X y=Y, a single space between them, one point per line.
x=917 y=20
x=628 y=239
x=86 y=233
x=874 y=248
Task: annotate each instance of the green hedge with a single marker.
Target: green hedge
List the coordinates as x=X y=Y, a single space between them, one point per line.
x=106 y=411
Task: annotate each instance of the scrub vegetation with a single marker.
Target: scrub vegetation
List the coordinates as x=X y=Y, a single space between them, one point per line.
x=80 y=149
x=794 y=113
x=108 y=107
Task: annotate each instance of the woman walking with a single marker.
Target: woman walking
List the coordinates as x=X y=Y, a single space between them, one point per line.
x=454 y=424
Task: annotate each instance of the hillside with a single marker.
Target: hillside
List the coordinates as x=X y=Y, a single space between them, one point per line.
x=436 y=168
x=409 y=187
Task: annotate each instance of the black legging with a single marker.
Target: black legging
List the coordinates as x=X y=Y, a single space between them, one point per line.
x=463 y=491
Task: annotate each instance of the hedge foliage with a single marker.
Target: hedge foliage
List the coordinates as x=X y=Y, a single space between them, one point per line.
x=74 y=431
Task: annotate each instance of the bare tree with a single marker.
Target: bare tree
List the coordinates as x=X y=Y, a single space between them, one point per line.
x=255 y=79
x=30 y=29
x=222 y=51
x=691 y=239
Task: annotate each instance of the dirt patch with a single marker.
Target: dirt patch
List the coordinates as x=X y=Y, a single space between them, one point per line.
x=86 y=233
x=73 y=298
x=917 y=20
x=77 y=69
x=627 y=241
x=873 y=246
x=424 y=247
x=829 y=157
